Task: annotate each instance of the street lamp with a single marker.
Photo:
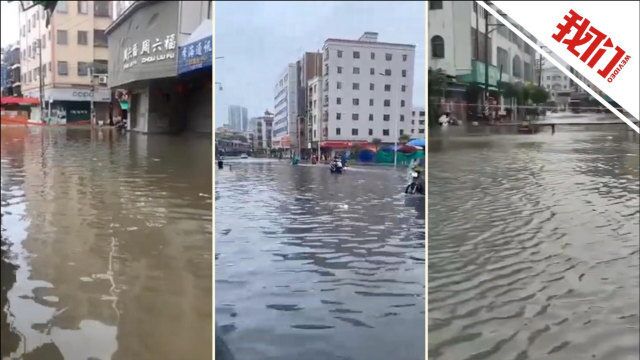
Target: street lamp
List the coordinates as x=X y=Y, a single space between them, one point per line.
x=395 y=136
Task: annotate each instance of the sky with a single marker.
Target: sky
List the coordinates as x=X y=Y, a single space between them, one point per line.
x=258 y=40
x=10 y=30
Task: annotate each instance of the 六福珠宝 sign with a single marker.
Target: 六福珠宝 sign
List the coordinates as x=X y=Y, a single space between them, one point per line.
x=149 y=51
x=195 y=55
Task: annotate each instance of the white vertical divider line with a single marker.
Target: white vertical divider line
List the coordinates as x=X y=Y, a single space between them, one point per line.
x=214 y=165
x=557 y=64
x=426 y=179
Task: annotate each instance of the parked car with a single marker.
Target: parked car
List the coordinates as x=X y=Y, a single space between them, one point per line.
x=244 y=156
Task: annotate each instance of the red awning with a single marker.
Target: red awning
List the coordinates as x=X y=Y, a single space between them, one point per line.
x=15 y=100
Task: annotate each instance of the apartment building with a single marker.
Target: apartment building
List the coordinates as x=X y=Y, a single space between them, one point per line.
x=260 y=132
x=71 y=55
x=314 y=106
x=367 y=90
x=285 y=119
x=457 y=46
x=12 y=87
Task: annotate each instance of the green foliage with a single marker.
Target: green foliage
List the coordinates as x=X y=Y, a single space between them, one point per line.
x=404 y=138
x=376 y=142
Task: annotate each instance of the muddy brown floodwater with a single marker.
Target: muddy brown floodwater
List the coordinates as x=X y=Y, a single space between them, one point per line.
x=533 y=244
x=107 y=238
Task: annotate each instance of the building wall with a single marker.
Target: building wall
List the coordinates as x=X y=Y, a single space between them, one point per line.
x=237 y=118
x=199 y=110
x=314 y=89
x=418 y=122
x=347 y=78
x=286 y=105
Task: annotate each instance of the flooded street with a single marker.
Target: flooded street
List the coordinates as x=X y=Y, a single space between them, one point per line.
x=313 y=265
x=533 y=244
x=108 y=242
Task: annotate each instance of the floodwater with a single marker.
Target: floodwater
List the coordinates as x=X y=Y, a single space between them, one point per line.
x=108 y=245
x=313 y=265
x=534 y=244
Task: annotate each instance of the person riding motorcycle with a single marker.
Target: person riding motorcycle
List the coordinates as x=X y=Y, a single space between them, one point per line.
x=416 y=186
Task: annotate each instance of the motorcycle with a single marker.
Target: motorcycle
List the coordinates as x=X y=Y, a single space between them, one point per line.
x=122 y=125
x=336 y=167
x=415 y=187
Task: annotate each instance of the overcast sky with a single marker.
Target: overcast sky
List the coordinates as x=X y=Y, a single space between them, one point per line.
x=10 y=30
x=259 y=39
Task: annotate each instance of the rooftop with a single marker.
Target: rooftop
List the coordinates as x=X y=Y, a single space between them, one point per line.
x=366 y=39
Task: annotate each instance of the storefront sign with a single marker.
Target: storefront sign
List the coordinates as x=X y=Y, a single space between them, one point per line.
x=74 y=94
x=196 y=55
x=149 y=51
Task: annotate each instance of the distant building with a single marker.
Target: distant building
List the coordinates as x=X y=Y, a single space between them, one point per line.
x=237 y=118
x=260 y=130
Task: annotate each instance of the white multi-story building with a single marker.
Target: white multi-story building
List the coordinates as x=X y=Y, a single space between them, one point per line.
x=314 y=91
x=457 y=46
x=367 y=89
x=285 y=119
x=417 y=121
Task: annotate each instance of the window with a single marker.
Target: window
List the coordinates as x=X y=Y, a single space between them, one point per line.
x=387 y=87
x=356 y=102
x=371 y=86
x=339 y=69
x=339 y=53
x=412 y=131
x=370 y=102
x=49 y=65
x=387 y=103
x=385 y=132
x=437 y=47
x=356 y=86
x=83 y=69
x=387 y=57
x=101 y=8
x=356 y=54
x=386 y=117
x=373 y=56
x=404 y=73
x=372 y=71
x=43 y=71
x=401 y=131
x=339 y=85
x=63 y=69
x=35 y=73
x=401 y=103
x=404 y=57
x=503 y=60
x=82 y=38
x=355 y=116
x=354 y=132
x=28 y=25
x=387 y=72
x=402 y=118
x=83 y=8
x=370 y=132
x=100 y=39
x=29 y=51
x=49 y=35
x=61 y=7
x=421 y=131
x=338 y=116
x=403 y=88
x=326 y=54
x=356 y=70
x=61 y=38
x=437 y=5
x=337 y=131
x=29 y=77
x=517 y=66
x=326 y=69
x=44 y=41
x=548 y=77
x=338 y=101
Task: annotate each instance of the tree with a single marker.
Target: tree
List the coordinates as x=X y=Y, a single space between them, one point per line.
x=404 y=138
x=437 y=86
x=376 y=142
x=539 y=95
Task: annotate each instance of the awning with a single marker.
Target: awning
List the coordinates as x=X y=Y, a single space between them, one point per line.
x=338 y=144
x=16 y=100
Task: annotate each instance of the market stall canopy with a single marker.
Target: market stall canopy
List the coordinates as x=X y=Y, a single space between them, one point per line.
x=417 y=142
x=16 y=100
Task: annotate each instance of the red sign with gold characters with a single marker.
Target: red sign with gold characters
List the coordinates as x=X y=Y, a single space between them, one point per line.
x=598 y=43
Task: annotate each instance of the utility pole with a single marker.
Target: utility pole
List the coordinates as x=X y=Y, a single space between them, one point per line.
x=40 y=72
x=486 y=62
x=93 y=90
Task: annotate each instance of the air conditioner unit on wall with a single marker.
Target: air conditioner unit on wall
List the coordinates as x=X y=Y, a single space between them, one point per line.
x=102 y=79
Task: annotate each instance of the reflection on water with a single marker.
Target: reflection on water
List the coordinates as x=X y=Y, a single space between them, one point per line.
x=110 y=238
x=533 y=245
x=312 y=265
